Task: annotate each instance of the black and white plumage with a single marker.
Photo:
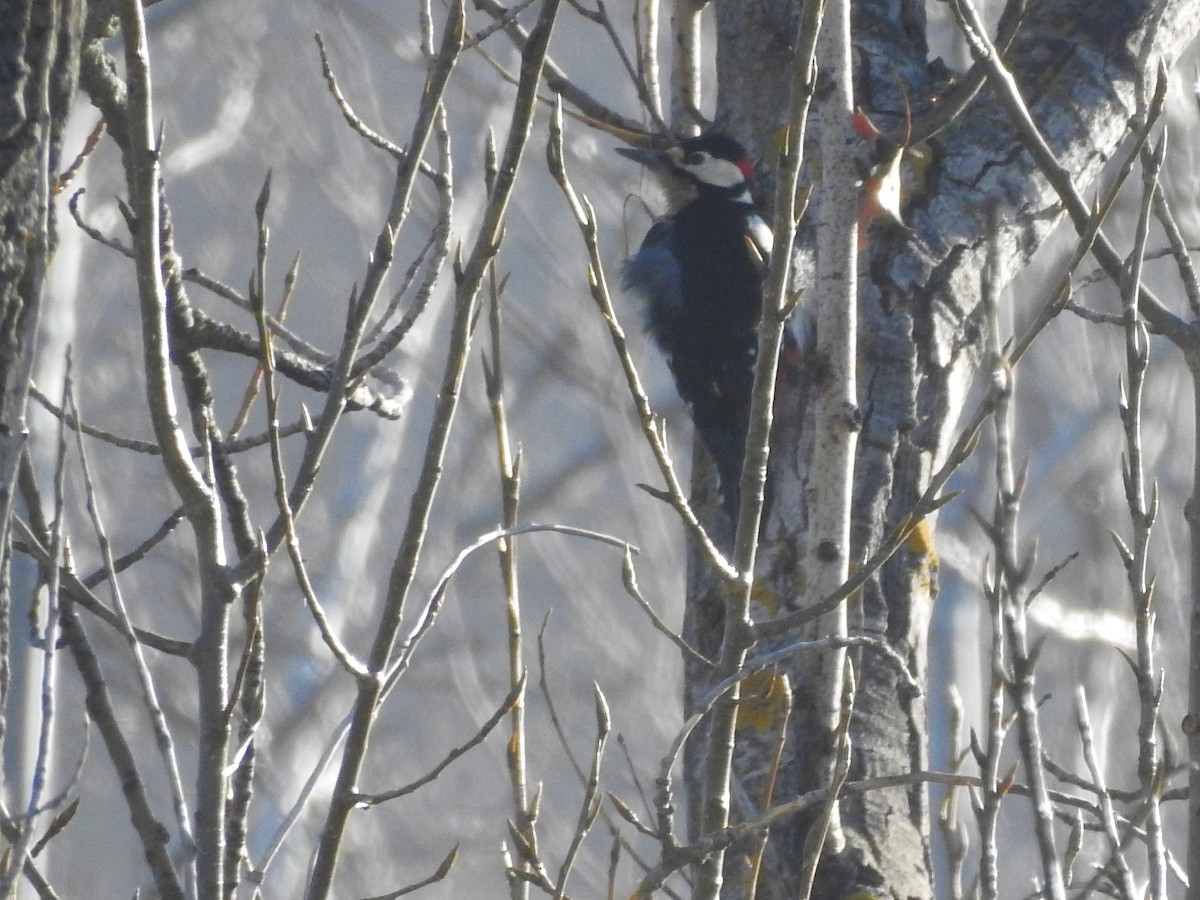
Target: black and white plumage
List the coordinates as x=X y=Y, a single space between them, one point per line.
x=700 y=271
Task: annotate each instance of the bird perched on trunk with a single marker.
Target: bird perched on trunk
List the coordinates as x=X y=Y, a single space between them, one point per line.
x=700 y=271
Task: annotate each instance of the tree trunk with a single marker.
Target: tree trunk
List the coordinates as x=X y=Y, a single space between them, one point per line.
x=39 y=59
x=920 y=338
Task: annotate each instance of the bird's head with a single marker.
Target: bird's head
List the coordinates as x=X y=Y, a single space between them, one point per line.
x=713 y=164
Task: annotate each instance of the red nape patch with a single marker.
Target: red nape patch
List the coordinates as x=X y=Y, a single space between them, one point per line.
x=747 y=168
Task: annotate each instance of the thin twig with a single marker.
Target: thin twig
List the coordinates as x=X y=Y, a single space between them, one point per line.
x=162 y=732
x=406 y=283
x=437 y=595
x=1062 y=180
x=589 y=808
x=291 y=539
x=988 y=810
x=780 y=698
x=585 y=218
x=14 y=862
x=471 y=275
x=258 y=285
x=1178 y=247
x=398 y=153
x=81 y=594
x=515 y=696
x=439 y=240
x=149 y=447
x=551 y=706
x=508 y=465
x=295 y=812
x=1006 y=593
x=1143 y=506
x=1109 y=819
x=629 y=579
x=443 y=870
x=818 y=833
x=300 y=346
x=1095 y=317
x=138 y=553
x=530 y=850
x=559 y=82
x=498 y=23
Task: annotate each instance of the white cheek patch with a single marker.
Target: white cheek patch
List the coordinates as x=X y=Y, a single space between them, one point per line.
x=718 y=172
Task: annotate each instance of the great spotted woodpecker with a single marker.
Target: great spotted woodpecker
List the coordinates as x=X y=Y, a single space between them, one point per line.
x=700 y=271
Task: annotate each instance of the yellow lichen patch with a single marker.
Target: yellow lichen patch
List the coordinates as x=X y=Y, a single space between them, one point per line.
x=762 y=595
x=920 y=539
x=799 y=583
x=761 y=706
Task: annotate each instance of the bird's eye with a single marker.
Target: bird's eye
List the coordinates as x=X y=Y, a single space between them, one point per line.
x=695 y=158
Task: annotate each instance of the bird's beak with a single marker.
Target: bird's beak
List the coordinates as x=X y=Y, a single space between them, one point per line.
x=654 y=160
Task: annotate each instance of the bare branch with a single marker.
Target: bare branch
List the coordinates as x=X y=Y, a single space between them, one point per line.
x=195 y=276
x=149 y=447
x=508 y=465
x=1060 y=179
x=339 y=651
x=204 y=332
x=1109 y=820
x=14 y=861
x=153 y=836
x=1141 y=514
x=81 y=594
x=163 y=739
x=433 y=605
x=590 y=807
x=585 y=219
x=629 y=579
x=1178 y=247
x=1006 y=593
x=514 y=698
x=649 y=100
x=332 y=743
x=144 y=170
x=352 y=118
x=483 y=251
x=818 y=832
x=200 y=500
x=498 y=23
x=439 y=240
x=443 y=870
x=559 y=82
